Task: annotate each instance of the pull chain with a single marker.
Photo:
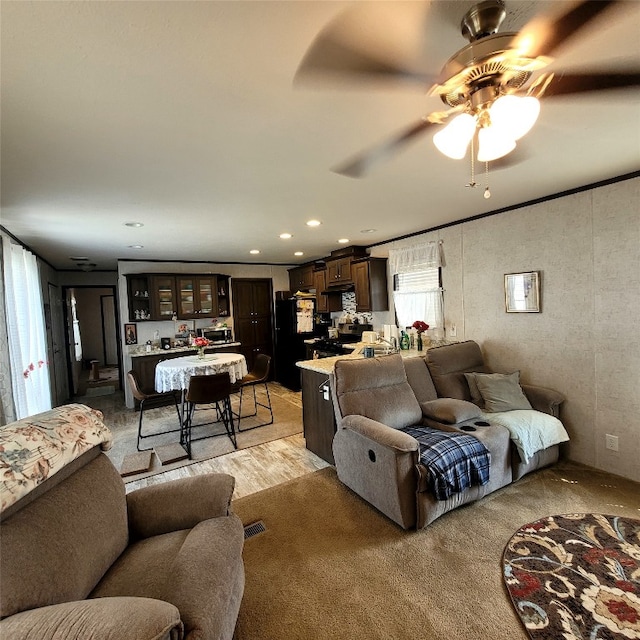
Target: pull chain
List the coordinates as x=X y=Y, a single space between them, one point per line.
x=473 y=184
x=487 y=193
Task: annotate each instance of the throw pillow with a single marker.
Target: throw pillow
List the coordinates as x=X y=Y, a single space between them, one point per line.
x=501 y=391
x=450 y=410
x=476 y=397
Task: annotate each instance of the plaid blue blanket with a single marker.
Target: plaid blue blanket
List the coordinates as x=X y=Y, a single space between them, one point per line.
x=455 y=461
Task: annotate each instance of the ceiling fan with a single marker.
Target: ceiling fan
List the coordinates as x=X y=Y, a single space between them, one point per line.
x=491 y=87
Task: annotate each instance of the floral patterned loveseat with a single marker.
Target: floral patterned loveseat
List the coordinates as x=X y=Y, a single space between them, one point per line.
x=79 y=558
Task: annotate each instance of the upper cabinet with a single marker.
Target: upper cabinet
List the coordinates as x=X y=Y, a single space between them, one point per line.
x=139 y=298
x=163 y=296
x=301 y=278
x=370 y=279
x=320 y=284
x=224 y=307
x=196 y=297
x=338 y=271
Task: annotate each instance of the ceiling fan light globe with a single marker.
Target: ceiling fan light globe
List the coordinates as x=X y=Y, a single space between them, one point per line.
x=454 y=139
x=494 y=143
x=515 y=114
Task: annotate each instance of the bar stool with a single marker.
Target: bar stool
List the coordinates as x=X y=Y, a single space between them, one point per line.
x=215 y=390
x=155 y=398
x=258 y=375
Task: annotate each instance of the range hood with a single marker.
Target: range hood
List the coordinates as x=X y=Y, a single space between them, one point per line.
x=339 y=288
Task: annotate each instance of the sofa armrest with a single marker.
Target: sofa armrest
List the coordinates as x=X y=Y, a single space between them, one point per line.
x=122 y=618
x=379 y=463
x=542 y=399
x=178 y=504
x=380 y=433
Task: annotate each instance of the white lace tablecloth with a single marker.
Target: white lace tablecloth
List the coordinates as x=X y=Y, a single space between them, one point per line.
x=174 y=374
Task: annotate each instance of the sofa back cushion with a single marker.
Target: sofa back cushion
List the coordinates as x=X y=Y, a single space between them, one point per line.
x=420 y=380
x=57 y=547
x=447 y=365
x=378 y=389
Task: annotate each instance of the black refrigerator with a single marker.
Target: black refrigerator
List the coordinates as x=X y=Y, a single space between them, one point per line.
x=295 y=323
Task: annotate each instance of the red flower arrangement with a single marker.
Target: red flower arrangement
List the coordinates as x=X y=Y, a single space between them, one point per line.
x=200 y=343
x=420 y=326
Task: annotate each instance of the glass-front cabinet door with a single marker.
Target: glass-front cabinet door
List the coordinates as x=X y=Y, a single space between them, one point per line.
x=206 y=295
x=197 y=297
x=163 y=297
x=187 y=297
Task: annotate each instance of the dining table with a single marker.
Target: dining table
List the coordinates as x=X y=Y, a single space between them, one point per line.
x=174 y=375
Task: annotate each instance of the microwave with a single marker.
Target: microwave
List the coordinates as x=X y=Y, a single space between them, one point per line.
x=216 y=335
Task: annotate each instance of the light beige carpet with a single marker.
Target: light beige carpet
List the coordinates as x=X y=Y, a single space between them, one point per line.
x=287 y=411
x=329 y=566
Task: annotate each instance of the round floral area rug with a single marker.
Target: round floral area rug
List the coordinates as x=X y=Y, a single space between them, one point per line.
x=576 y=577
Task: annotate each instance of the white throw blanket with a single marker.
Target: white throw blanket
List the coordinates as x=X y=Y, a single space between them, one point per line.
x=530 y=430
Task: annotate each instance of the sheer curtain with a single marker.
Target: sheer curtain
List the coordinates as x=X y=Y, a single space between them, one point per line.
x=417 y=294
x=26 y=331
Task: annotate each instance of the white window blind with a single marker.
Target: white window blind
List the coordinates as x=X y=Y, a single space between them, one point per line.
x=418 y=296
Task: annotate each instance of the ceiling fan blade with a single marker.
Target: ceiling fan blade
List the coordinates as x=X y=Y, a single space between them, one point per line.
x=370 y=42
x=360 y=165
x=573 y=83
x=329 y=59
x=544 y=35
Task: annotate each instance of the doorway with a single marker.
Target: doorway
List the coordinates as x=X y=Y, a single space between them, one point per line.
x=93 y=346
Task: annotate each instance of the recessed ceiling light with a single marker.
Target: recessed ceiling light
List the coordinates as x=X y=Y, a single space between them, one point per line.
x=133 y=224
x=343 y=240
x=254 y=251
x=313 y=223
x=136 y=246
x=286 y=236
x=368 y=230
x=298 y=253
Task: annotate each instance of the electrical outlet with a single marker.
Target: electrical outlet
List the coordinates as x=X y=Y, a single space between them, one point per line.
x=611 y=442
x=453 y=331
x=325 y=392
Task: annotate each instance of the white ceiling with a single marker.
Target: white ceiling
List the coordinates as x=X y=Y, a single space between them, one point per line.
x=183 y=116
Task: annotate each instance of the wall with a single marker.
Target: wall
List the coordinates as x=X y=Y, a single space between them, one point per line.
x=146 y=330
x=585 y=341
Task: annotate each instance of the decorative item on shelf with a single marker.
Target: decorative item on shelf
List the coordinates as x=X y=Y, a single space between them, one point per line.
x=200 y=344
x=405 y=342
x=420 y=327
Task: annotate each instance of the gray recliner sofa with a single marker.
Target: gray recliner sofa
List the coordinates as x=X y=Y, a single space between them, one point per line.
x=375 y=397
x=80 y=559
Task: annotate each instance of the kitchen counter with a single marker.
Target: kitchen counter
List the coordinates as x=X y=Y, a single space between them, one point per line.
x=325 y=365
x=140 y=350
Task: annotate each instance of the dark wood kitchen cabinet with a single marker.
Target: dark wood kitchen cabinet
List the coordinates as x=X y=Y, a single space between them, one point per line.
x=301 y=278
x=197 y=297
x=163 y=297
x=139 y=296
x=253 y=316
x=339 y=271
x=318 y=418
x=320 y=284
x=370 y=278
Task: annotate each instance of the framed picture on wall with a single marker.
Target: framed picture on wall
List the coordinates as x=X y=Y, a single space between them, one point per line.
x=522 y=292
x=131 y=334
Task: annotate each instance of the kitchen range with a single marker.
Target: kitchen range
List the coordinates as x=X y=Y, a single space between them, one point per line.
x=336 y=343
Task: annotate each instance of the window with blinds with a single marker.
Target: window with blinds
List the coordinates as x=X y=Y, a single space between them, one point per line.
x=418 y=296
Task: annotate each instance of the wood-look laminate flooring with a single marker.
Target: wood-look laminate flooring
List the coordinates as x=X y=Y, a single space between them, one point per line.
x=256 y=468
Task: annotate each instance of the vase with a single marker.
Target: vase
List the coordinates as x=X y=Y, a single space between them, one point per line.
x=419 y=342
x=201 y=354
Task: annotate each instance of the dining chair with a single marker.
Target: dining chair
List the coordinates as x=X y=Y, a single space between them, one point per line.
x=213 y=389
x=154 y=398
x=258 y=375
